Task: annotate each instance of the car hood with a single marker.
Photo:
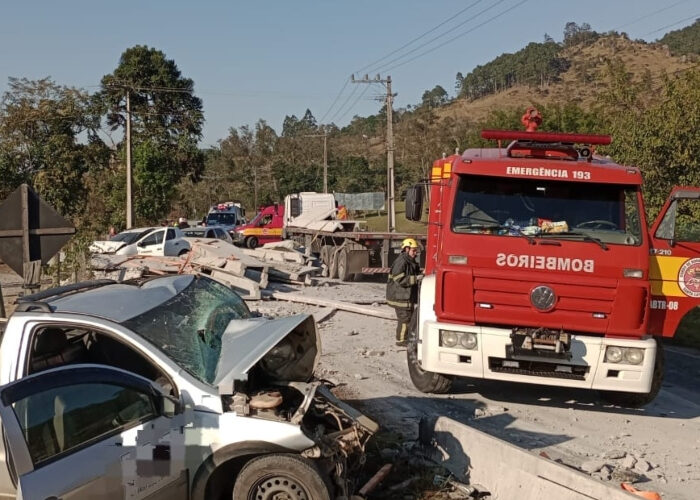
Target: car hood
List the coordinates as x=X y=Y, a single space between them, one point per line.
x=106 y=246
x=281 y=350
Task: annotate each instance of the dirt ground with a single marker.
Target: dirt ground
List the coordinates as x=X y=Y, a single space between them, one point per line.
x=659 y=444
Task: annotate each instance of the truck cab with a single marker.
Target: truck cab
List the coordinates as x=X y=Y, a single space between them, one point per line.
x=266 y=227
x=227 y=214
x=538 y=269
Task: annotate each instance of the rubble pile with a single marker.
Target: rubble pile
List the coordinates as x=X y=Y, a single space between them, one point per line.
x=245 y=270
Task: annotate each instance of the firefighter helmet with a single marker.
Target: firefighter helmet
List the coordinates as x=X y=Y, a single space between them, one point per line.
x=410 y=243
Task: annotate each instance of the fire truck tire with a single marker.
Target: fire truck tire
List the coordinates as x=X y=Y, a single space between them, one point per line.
x=423 y=380
x=343 y=274
x=251 y=242
x=637 y=399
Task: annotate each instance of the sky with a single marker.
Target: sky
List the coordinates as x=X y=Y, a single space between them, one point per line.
x=265 y=59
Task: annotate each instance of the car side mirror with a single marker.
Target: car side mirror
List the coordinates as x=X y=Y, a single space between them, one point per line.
x=170 y=406
x=141 y=244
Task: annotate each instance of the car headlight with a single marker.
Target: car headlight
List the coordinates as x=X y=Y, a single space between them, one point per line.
x=613 y=354
x=633 y=356
x=468 y=341
x=449 y=338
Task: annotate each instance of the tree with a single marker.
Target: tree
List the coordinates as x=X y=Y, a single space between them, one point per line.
x=434 y=98
x=48 y=138
x=167 y=123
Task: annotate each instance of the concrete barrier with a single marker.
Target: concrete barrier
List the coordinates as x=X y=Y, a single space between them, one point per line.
x=507 y=471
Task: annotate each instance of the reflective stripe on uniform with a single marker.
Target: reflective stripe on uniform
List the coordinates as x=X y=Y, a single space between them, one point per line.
x=397 y=277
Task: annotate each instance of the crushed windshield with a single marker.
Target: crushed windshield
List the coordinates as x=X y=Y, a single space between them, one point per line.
x=188 y=327
x=130 y=237
x=601 y=213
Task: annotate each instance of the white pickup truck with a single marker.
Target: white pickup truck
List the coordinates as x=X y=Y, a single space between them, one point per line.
x=161 y=241
x=167 y=388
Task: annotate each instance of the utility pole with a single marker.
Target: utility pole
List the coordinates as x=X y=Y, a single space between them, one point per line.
x=325 y=158
x=129 y=205
x=391 y=212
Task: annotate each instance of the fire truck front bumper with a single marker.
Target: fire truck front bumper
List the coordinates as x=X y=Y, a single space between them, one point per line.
x=587 y=362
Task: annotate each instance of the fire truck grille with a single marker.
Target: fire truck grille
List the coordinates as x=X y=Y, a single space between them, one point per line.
x=538 y=369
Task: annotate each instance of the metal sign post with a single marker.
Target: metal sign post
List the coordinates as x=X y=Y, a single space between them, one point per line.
x=31 y=232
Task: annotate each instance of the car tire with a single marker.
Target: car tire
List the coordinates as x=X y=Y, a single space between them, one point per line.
x=183 y=252
x=639 y=399
x=281 y=476
x=424 y=381
x=251 y=242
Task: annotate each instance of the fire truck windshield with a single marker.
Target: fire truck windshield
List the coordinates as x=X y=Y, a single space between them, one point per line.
x=602 y=213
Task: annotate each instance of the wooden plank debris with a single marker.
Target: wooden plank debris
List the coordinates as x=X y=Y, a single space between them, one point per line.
x=377 y=312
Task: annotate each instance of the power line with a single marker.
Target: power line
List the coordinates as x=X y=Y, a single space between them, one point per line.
x=384 y=66
x=334 y=101
x=354 y=91
x=420 y=36
x=695 y=16
x=649 y=15
x=455 y=37
x=352 y=106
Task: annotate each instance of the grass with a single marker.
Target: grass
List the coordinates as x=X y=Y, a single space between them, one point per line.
x=403 y=225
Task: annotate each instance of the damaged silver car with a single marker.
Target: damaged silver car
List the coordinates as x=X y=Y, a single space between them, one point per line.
x=168 y=388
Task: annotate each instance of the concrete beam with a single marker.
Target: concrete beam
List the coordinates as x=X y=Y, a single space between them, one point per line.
x=507 y=471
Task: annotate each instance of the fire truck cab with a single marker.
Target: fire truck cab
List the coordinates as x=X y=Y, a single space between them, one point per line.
x=540 y=269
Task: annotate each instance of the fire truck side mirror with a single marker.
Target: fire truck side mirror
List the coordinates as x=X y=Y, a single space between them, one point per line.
x=414 y=203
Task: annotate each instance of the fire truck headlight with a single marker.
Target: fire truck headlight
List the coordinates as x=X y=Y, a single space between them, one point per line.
x=449 y=338
x=633 y=273
x=613 y=354
x=468 y=341
x=634 y=356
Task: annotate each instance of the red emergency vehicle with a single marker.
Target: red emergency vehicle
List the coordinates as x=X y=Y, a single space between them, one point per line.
x=266 y=227
x=540 y=268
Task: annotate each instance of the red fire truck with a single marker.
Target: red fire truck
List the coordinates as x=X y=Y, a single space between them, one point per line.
x=540 y=269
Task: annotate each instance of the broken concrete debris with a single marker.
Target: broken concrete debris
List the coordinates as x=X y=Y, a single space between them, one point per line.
x=246 y=271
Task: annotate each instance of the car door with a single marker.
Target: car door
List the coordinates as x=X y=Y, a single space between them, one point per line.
x=674 y=265
x=174 y=245
x=152 y=244
x=87 y=431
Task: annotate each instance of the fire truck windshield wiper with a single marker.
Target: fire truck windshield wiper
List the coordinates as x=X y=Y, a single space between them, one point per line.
x=499 y=227
x=583 y=236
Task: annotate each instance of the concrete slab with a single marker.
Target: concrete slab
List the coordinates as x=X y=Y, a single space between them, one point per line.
x=507 y=471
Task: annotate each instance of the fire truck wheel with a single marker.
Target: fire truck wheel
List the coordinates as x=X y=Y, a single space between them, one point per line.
x=636 y=399
x=423 y=380
x=251 y=242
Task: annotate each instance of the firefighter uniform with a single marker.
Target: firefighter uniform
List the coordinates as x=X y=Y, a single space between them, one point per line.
x=402 y=289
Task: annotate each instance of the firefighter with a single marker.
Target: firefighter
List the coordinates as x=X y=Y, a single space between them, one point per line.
x=402 y=288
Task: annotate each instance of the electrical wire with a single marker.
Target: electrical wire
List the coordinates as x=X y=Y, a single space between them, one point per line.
x=352 y=106
x=334 y=101
x=420 y=36
x=455 y=37
x=695 y=16
x=352 y=94
x=413 y=50
x=649 y=15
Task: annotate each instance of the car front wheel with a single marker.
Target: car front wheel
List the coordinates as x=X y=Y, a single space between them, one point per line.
x=280 y=477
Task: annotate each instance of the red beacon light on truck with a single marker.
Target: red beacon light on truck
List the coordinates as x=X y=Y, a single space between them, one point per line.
x=554 y=145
